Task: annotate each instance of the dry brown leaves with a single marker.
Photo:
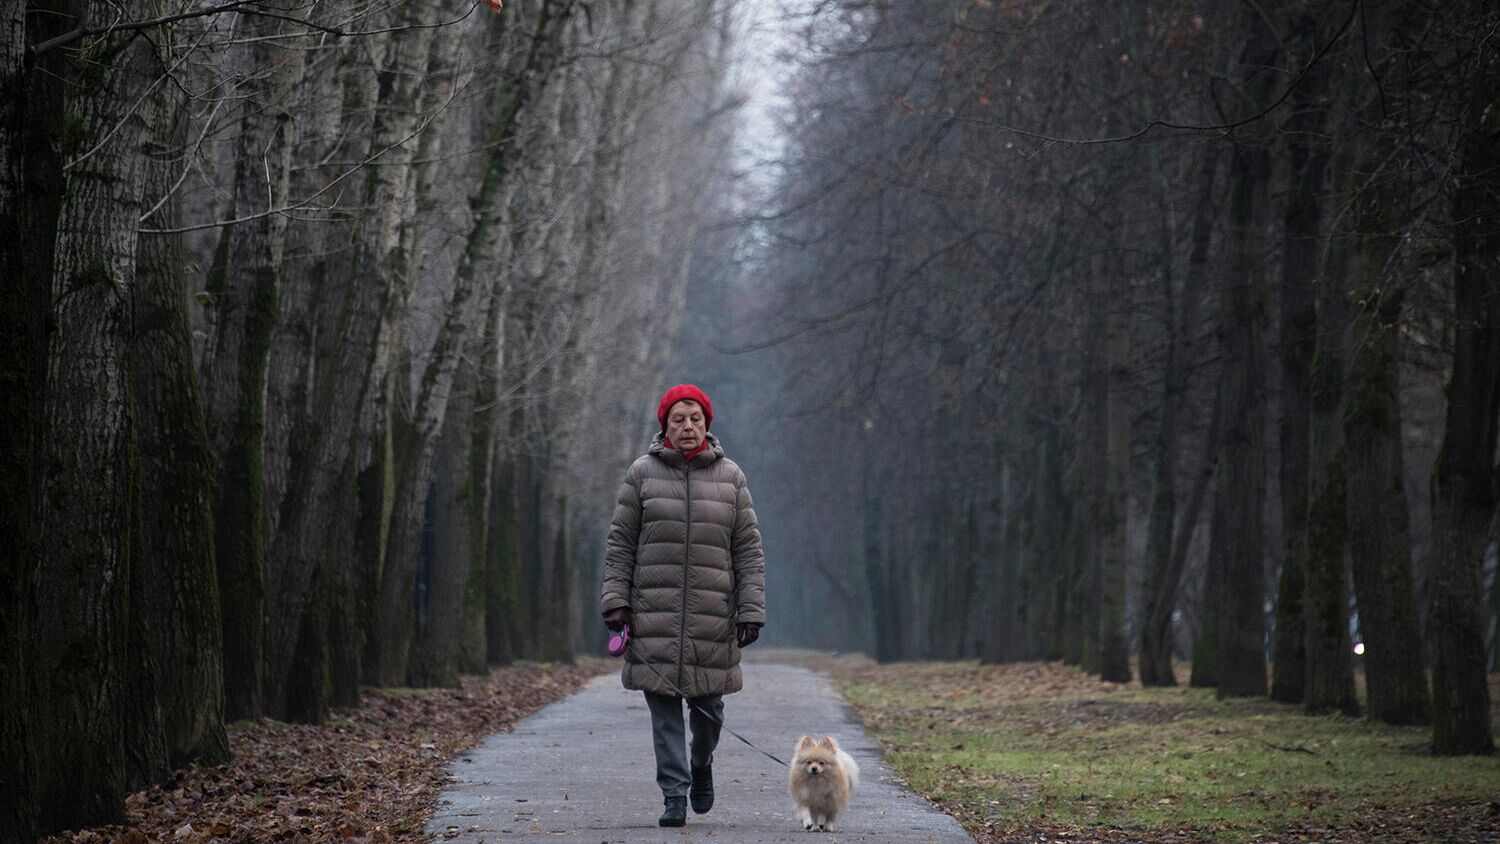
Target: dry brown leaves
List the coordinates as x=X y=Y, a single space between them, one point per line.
x=370 y=774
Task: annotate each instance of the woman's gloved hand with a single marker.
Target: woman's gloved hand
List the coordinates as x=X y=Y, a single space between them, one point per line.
x=747 y=634
x=616 y=619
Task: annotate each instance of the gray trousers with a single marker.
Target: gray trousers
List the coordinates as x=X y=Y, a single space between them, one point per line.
x=669 y=739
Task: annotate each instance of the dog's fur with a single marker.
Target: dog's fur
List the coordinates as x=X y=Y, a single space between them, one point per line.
x=823 y=779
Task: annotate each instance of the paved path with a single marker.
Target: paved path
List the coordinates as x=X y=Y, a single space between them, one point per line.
x=582 y=770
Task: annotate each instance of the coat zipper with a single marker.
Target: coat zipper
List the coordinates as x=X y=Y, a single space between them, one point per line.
x=687 y=545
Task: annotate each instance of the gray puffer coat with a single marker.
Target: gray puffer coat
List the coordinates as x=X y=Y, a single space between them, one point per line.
x=684 y=555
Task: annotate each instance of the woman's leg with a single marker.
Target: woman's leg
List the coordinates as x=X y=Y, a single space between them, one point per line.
x=706 y=730
x=669 y=740
x=705 y=739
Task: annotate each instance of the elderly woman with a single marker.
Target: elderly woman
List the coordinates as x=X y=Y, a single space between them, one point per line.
x=684 y=569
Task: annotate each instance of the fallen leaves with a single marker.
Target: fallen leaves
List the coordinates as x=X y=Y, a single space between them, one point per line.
x=369 y=775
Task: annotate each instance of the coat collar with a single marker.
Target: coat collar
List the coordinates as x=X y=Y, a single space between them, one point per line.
x=672 y=457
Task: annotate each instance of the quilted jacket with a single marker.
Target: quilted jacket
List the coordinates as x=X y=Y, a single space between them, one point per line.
x=684 y=555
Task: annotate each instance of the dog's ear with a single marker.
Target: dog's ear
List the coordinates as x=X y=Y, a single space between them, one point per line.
x=805 y=741
x=827 y=741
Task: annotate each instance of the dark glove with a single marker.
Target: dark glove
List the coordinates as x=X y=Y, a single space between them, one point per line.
x=617 y=618
x=748 y=632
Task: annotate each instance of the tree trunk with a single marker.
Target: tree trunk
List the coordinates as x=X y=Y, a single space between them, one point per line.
x=1242 y=660
x=1159 y=596
x=435 y=648
x=30 y=184
x=1166 y=559
x=1307 y=162
x=481 y=254
x=1329 y=683
x=361 y=354
x=1180 y=544
x=1093 y=453
x=77 y=728
x=1463 y=479
x=1031 y=507
x=174 y=591
x=1379 y=543
x=1375 y=499
x=477 y=495
x=243 y=283
x=503 y=582
x=1114 y=644
x=556 y=644
x=1207 y=644
x=1001 y=640
x=330 y=98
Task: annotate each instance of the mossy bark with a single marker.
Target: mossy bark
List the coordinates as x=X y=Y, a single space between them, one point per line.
x=533 y=72
x=887 y=645
x=1374 y=489
x=376 y=491
x=80 y=628
x=440 y=619
x=1075 y=634
x=502 y=605
x=1329 y=671
x=556 y=644
x=1329 y=685
x=1306 y=156
x=474 y=499
x=1114 y=645
x=1070 y=629
x=243 y=283
x=1379 y=541
x=1159 y=591
x=344 y=614
x=1166 y=556
x=1157 y=641
x=1001 y=640
x=477 y=492
x=174 y=592
x=1047 y=551
x=1241 y=651
x=360 y=342
x=1463 y=488
x=1206 y=645
x=306 y=689
x=31 y=92
x=1097 y=528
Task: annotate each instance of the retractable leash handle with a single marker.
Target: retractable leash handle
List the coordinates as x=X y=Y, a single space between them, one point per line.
x=619 y=641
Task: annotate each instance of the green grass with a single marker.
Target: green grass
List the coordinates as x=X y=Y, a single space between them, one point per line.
x=1084 y=754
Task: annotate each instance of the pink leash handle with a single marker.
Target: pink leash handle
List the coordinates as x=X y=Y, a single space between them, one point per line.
x=619 y=641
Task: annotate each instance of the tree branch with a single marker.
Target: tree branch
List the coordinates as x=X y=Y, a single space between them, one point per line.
x=83 y=32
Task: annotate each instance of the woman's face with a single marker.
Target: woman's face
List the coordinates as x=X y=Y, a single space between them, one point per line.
x=685 y=425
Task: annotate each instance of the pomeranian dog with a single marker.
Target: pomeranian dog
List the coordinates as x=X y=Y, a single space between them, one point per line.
x=823 y=779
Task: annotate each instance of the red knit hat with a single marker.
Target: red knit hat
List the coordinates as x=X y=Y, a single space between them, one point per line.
x=677 y=394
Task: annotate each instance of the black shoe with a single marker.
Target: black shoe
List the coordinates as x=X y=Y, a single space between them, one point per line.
x=702 y=792
x=675 y=814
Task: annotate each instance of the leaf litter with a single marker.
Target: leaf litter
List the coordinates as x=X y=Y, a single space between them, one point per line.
x=368 y=775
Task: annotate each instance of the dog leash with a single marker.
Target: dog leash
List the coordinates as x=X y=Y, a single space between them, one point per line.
x=709 y=715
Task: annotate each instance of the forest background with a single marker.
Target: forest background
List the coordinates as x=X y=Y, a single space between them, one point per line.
x=1044 y=330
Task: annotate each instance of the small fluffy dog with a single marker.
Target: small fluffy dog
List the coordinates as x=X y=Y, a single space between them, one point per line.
x=823 y=779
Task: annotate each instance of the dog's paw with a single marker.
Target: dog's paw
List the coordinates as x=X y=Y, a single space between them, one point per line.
x=807 y=825
x=822 y=827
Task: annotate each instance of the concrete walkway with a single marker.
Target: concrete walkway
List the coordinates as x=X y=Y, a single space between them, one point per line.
x=582 y=770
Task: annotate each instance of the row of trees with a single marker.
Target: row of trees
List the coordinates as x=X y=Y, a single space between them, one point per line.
x=1145 y=326
x=314 y=316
